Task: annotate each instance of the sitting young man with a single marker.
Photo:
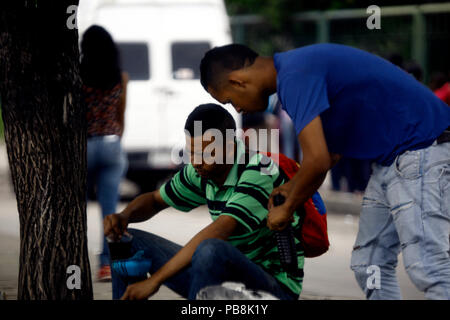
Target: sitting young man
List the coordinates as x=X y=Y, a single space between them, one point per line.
x=237 y=246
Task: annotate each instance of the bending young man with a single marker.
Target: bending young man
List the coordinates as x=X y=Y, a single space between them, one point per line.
x=347 y=102
x=237 y=246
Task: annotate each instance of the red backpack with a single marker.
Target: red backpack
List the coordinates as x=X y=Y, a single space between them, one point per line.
x=314 y=235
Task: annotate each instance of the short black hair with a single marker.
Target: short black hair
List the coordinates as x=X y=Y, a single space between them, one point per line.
x=223 y=59
x=212 y=116
x=100 y=60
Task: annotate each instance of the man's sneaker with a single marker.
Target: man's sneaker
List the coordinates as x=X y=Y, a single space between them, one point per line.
x=104 y=274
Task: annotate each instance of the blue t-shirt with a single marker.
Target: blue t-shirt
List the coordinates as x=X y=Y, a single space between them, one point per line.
x=370 y=108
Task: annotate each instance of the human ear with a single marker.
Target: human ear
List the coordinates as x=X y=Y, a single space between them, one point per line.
x=236 y=79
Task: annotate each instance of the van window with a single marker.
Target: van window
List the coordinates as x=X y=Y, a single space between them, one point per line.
x=134 y=58
x=186 y=57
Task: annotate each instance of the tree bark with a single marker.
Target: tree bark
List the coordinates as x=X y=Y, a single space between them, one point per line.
x=45 y=134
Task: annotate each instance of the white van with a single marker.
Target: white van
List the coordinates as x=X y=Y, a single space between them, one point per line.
x=161 y=44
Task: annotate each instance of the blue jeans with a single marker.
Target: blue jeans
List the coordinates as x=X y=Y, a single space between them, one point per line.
x=406 y=207
x=107 y=164
x=214 y=262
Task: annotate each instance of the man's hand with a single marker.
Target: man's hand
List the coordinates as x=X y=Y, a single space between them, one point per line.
x=279 y=217
x=141 y=290
x=114 y=225
x=284 y=190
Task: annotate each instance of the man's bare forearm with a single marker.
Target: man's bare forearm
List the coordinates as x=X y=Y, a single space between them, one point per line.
x=142 y=208
x=317 y=160
x=220 y=229
x=306 y=182
x=181 y=259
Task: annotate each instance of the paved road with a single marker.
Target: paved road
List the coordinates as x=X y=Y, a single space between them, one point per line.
x=328 y=276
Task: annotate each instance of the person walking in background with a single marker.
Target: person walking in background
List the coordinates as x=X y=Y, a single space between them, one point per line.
x=104 y=92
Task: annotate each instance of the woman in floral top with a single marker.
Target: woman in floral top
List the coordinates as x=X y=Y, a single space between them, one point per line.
x=104 y=92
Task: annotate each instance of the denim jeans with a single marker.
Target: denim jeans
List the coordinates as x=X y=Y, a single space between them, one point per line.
x=107 y=163
x=406 y=207
x=214 y=262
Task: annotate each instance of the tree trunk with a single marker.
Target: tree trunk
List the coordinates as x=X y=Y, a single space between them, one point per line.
x=45 y=133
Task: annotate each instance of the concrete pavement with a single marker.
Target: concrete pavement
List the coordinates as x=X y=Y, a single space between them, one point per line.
x=326 y=277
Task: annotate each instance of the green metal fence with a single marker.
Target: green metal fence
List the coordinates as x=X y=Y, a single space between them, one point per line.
x=420 y=33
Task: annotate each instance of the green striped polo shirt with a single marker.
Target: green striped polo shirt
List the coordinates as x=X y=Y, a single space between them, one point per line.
x=244 y=197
